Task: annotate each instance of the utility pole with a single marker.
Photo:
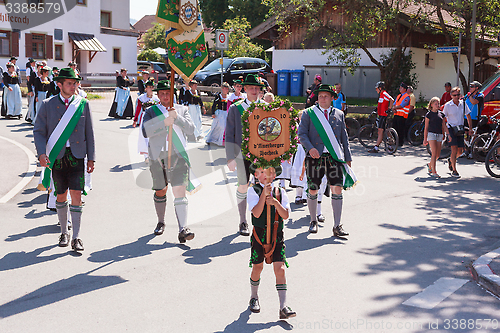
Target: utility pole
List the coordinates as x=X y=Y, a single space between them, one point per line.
x=473 y=43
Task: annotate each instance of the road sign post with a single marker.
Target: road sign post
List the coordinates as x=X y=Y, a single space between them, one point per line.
x=221 y=43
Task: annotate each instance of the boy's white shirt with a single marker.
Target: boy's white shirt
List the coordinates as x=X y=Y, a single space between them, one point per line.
x=253 y=199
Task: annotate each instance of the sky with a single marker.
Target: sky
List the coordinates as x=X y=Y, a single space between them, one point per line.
x=139 y=8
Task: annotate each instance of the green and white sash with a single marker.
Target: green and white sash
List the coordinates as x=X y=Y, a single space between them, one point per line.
x=62 y=132
x=179 y=142
x=330 y=141
x=239 y=106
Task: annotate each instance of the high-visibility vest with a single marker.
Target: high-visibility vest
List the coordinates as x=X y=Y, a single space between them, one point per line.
x=405 y=110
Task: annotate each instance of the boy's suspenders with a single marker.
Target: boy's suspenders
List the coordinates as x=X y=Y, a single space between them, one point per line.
x=269 y=248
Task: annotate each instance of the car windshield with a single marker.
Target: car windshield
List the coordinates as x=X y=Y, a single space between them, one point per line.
x=160 y=68
x=215 y=65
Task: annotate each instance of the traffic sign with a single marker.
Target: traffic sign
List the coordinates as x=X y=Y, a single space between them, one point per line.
x=221 y=39
x=447 y=49
x=494 y=51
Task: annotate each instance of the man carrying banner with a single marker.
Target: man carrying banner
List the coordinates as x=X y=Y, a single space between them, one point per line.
x=235 y=160
x=323 y=135
x=156 y=123
x=64 y=136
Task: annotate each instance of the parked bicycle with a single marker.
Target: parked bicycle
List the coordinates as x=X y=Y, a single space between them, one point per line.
x=493 y=161
x=352 y=126
x=368 y=134
x=416 y=133
x=484 y=142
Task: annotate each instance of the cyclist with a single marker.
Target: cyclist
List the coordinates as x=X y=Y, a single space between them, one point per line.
x=475 y=102
x=385 y=102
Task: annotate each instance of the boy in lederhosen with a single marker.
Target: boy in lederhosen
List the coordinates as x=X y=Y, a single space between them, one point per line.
x=259 y=197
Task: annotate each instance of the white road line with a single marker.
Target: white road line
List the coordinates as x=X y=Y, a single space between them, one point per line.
x=27 y=177
x=435 y=293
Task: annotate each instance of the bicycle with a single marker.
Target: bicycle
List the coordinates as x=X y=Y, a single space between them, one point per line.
x=445 y=148
x=352 y=126
x=493 y=161
x=368 y=134
x=416 y=133
x=484 y=142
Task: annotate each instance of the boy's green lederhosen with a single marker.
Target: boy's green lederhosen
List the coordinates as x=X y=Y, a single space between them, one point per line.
x=259 y=225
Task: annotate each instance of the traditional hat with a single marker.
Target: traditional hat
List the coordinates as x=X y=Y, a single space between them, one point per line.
x=67 y=73
x=163 y=85
x=31 y=60
x=9 y=64
x=318 y=77
x=55 y=68
x=193 y=82
x=254 y=168
x=13 y=58
x=252 y=80
x=72 y=63
x=149 y=83
x=46 y=68
x=327 y=88
x=145 y=72
x=237 y=82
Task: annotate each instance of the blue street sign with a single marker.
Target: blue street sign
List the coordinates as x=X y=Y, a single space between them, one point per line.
x=447 y=49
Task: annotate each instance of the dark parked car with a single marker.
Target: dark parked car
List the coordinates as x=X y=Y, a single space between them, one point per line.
x=157 y=70
x=233 y=69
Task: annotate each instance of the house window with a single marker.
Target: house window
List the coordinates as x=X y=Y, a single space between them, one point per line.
x=429 y=60
x=38 y=46
x=105 y=19
x=58 y=52
x=116 y=55
x=58 y=34
x=81 y=2
x=4 y=43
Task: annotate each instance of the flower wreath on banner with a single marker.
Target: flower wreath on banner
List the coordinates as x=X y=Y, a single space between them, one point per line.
x=278 y=103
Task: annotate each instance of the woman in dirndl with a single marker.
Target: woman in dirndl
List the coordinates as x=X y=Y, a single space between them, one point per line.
x=42 y=87
x=193 y=100
x=219 y=110
x=122 y=105
x=11 y=100
x=237 y=94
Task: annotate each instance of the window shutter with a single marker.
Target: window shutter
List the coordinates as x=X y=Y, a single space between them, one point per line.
x=49 y=47
x=28 y=44
x=14 y=44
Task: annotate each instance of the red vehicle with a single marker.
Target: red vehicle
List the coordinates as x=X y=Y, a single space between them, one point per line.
x=491 y=92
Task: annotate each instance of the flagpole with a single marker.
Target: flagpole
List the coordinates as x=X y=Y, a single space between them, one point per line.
x=172 y=83
x=268 y=211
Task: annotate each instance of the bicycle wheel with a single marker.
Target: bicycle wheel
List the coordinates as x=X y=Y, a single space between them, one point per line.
x=352 y=127
x=416 y=134
x=493 y=161
x=479 y=147
x=391 y=140
x=367 y=135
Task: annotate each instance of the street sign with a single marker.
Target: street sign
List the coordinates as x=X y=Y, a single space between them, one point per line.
x=221 y=39
x=494 y=51
x=447 y=49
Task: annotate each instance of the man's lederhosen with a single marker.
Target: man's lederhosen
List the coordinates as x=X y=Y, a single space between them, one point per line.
x=161 y=177
x=68 y=173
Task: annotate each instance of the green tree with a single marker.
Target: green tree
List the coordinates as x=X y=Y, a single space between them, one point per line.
x=402 y=74
x=216 y=12
x=362 y=21
x=155 y=37
x=150 y=55
x=239 y=42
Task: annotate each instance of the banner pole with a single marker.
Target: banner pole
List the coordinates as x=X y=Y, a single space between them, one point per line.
x=172 y=83
x=268 y=211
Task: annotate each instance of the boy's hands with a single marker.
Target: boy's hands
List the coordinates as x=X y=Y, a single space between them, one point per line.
x=267 y=190
x=271 y=201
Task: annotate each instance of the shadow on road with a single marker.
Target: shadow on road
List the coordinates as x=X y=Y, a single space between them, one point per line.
x=59 y=291
x=301 y=242
x=241 y=324
x=461 y=225
x=222 y=248
x=41 y=199
x=35 y=232
x=16 y=260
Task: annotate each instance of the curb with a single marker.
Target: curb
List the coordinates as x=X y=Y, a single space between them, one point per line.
x=483 y=274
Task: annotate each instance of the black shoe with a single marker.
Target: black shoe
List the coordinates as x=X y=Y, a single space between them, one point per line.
x=298 y=200
x=455 y=174
x=313 y=227
x=185 y=235
x=321 y=218
x=254 y=305
x=449 y=164
x=304 y=201
x=339 y=231
x=64 y=240
x=160 y=228
x=77 y=244
x=244 y=229
x=287 y=312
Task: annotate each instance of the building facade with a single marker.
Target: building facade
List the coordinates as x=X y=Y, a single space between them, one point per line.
x=95 y=34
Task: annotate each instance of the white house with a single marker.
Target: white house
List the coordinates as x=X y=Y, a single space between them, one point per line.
x=96 y=34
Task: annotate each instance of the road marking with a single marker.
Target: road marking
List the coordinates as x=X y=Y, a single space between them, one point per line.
x=435 y=293
x=27 y=177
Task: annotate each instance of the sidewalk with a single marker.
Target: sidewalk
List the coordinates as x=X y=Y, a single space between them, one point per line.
x=486 y=268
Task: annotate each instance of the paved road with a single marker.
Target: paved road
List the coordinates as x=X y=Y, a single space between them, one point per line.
x=412 y=239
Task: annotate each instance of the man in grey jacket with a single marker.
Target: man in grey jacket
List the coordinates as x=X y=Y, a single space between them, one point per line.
x=319 y=161
x=64 y=136
x=156 y=122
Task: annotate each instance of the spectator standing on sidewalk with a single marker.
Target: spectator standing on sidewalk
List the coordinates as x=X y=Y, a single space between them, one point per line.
x=411 y=112
x=312 y=98
x=455 y=110
x=446 y=95
x=340 y=101
x=401 y=109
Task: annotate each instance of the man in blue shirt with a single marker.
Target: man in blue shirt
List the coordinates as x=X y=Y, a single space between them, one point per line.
x=475 y=101
x=340 y=102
